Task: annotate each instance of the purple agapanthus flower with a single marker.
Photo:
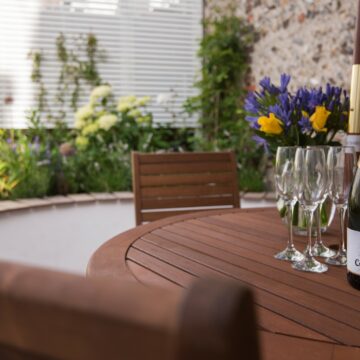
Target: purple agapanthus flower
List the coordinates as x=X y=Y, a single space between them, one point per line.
x=251 y=103
x=12 y=144
x=253 y=120
x=262 y=142
x=305 y=124
x=284 y=82
x=266 y=84
x=316 y=98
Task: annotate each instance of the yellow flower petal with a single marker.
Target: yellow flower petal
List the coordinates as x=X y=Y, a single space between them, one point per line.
x=270 y=125
x=319 y=118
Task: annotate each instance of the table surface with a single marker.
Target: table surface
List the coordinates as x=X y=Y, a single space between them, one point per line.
x=300 y=315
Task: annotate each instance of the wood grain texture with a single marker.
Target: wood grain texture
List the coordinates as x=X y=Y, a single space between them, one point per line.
x=182 y=181
x=317 y=315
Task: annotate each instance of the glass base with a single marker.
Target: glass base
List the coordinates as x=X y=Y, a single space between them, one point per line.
x=339 y=259
x=310 y=264
x=319 y=249
x=289 y=254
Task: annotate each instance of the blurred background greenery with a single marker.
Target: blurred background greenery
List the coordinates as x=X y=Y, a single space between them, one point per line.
x=94 y=155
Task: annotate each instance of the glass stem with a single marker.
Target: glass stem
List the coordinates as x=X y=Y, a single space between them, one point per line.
x=318 y=224
x=310 y=218
x=290 y=209
x=342 y=212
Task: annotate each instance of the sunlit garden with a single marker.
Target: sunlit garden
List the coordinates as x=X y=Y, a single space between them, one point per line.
x=179 y=179
x=84 y=145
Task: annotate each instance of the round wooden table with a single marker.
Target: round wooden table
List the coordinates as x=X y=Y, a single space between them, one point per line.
x=300 y=315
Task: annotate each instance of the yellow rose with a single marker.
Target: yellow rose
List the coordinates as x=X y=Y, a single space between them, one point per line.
x=319 y=118
x=270 y=125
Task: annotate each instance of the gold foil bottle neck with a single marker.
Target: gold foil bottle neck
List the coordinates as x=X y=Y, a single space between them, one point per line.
x=354 y=116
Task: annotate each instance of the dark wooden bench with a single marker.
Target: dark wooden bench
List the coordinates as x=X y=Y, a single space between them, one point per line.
x=51 y=315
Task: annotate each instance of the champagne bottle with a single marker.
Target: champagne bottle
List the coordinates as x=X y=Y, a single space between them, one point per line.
x=353 y=138
x=353 y=234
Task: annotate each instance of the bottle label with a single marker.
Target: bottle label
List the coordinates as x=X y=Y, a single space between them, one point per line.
x=353 y=251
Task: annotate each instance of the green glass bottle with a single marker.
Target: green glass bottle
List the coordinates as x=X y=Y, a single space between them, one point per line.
x=353 y=234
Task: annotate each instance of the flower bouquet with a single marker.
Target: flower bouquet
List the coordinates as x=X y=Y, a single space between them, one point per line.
x=308 y=116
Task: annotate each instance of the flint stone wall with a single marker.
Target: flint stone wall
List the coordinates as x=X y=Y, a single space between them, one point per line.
x=312 y=40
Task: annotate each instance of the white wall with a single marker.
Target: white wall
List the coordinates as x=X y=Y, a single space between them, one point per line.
x=64 y=237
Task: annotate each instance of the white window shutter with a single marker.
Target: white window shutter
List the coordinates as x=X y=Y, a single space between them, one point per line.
x=150 y=47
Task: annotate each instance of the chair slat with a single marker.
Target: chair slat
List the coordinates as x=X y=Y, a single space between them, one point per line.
x=192 y=190
x=184 y=179
x=185 y=168
x=187 y=202
x=184 y=157
x=157 y=215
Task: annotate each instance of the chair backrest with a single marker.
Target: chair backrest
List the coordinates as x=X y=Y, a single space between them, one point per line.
x=47 y=315
x=176 y=183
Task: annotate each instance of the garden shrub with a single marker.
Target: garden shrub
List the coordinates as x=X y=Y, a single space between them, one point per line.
x=225 y=56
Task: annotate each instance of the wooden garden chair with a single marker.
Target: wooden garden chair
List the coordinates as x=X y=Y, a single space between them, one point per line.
x=47 y=315
x=177 y=183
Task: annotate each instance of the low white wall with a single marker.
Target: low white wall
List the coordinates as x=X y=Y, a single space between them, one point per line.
x=64 y=237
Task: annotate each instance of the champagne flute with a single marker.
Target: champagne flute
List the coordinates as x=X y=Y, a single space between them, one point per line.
x=319 y=248
x=342 y=164
x=285 y=186
x=311 y=183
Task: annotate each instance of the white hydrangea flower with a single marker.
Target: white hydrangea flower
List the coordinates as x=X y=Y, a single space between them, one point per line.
x=126 y=103
x=143 y=101
x=143 y=119
x=123 y=107
x=79 y=124
x=83 y=113
x=99 y=92
x=81 y=142
x=90 y=129
x=135 y=113
x=131 y=99
x=164 y=98
x=106 y=122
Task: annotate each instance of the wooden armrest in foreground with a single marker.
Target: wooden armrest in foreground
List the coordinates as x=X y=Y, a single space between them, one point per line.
x=51 y=315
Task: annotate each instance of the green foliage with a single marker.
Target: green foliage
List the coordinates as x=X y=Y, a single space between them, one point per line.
x=97 y=170
x=224 y=52
x=78 y=59
x=225 y=55
x=105 y=134
x=23 y=166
